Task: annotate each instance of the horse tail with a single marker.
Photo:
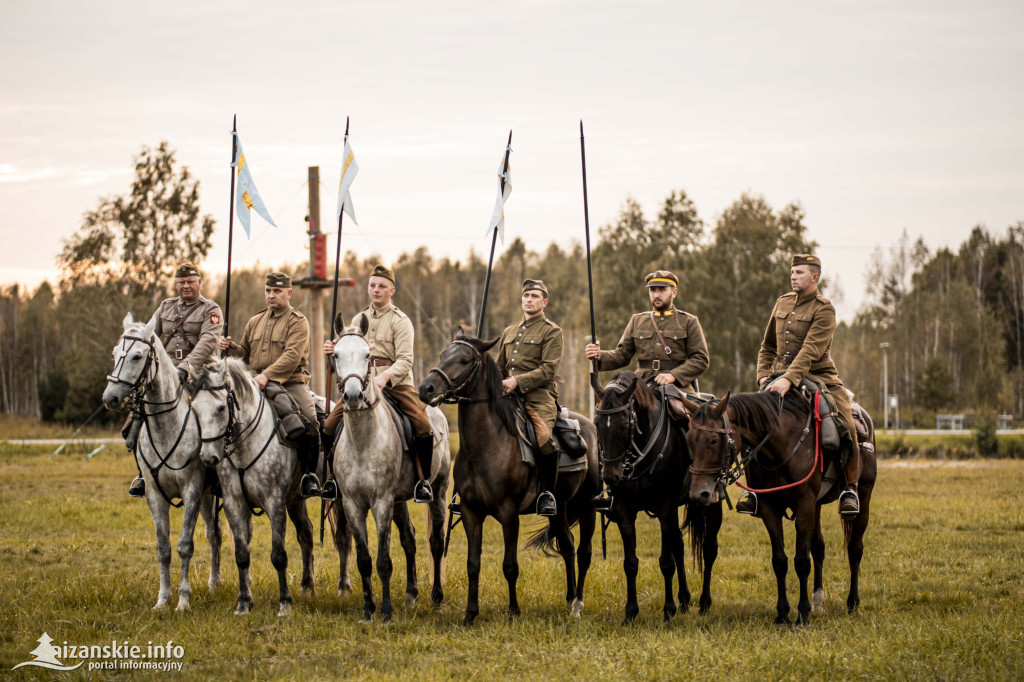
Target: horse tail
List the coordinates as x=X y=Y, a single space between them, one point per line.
x=694 y=520
x=544 y=539
x=847 y=534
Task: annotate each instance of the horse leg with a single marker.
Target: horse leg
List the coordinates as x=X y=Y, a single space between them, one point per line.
x=342 y=543
x=559 y=529
x=407 y=538
x=780 y=562
x=240 y=521
x=357 y=523
x=214 y=535
x=159 y=510
x=671 y=538
x=584 y=552
x=299 y=515
x=509 y=519
x=193 y=492
x=630 y=563
x=855 y=545
x=474 y=526
x=278 y=555
x=818 y=559
x=804 y=521
x=438 y=515
x=709 y=552
x=383 y=512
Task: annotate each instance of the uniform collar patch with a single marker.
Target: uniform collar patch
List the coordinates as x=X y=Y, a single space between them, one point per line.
x=667 y=313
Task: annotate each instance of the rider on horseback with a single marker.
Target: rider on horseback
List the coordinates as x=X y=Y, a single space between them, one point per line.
x=188 y=325
x=390 y=336
x=275 y=344
x=529 y=354
x=797 y=343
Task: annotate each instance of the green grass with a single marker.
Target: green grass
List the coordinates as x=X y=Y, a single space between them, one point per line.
x=940 y=588
x=13 y=427
x=945 y=446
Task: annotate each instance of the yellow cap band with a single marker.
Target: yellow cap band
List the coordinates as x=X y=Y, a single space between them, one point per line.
x=661 y=280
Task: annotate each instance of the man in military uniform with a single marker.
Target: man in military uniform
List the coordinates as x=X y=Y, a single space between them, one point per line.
x=529 y=354
x=275 y=344
x=668 y=343
x=390 y=335
x=188 y=326
x=796 y=343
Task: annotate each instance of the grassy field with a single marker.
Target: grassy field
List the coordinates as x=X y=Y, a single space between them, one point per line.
x=941 y=593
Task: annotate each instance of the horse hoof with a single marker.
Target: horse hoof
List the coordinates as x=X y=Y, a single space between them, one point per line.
x=818 y=601
x=213 y=583
x=436 y=597
x=182 y=606
x=286 y=608
x=160 y=606
x=410 y=599
x=468 y=619
x=577 y=608
x=782 y=622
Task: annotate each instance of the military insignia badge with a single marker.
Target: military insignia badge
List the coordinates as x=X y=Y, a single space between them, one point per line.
x=214 y=318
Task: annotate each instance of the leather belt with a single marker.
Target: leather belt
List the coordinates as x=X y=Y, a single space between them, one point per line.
x=381 y=362
x=659 y=365
x=788 y=359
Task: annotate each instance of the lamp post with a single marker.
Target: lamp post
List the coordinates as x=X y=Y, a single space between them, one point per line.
x=885 y=381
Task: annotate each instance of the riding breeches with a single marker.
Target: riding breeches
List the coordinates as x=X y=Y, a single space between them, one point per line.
x=542 y=413
x=408 y=402
x=302 y=396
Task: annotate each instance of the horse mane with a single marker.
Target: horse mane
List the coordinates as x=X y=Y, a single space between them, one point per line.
x=620 y=383
x=230 y=370
x=491 y=376
x=759 y=412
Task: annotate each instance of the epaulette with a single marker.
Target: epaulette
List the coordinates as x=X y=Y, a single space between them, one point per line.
x=790 y=294
x=822 y=298
x=401 y=314
x=550 y=323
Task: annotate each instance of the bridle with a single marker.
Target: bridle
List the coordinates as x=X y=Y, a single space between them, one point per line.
x=635 y=455
x=363 y=379
x=453 y=393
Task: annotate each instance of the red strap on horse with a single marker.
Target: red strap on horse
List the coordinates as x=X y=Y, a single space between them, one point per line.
x=818 y=459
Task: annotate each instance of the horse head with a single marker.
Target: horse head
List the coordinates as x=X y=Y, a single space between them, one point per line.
x=220 y=392
x=460 y=363
x=352 y=364
x=134 y=355
x=616 y=421
x=712 y=443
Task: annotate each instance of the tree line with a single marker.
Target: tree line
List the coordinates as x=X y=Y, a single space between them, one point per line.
x=954 y=320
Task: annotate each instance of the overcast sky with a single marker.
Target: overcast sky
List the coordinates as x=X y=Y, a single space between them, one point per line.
x=877 y=116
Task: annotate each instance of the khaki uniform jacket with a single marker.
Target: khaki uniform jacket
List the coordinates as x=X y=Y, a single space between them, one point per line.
x=531 y=350
x=390 y=336
x=683 y=335
x=277 y=345
x=194 y=341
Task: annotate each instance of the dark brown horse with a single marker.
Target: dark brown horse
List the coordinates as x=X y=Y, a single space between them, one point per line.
x=645 y=462
x=773 y=441
x=492 y=479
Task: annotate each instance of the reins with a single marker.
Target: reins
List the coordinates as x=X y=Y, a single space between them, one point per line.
x=452 y=395
x=632 y=466
x=363 y=379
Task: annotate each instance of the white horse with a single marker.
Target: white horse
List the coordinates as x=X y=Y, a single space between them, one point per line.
x=376 y=475
x=258 y=473
x=167 y=450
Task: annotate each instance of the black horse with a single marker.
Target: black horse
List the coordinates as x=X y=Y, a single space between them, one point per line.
x=646 y=463
x=492 y=479
x=774 y=442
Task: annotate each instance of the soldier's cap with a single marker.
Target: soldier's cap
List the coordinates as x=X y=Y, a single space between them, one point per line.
x=535 y=285
x=279 y=279
x=187 y=269
x=661 y=278
x=383 y=271
x=805 y=259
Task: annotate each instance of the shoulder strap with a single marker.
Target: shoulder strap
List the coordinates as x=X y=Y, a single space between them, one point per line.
x=181 y=322
x=654 y=321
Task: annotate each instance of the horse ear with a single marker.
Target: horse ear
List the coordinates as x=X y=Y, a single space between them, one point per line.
x=628 y=393
x=486 y=346
x=147 y=331
x=595 y=383
x=691 y=407
x=339 y=324
x=128 y=319
x=459 y=333
x=364 y=324
x=718 y=410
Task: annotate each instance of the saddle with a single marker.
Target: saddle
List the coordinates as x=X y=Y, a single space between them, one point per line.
x=572 y=448
x=402 y=422
x=674 y=402
x=291 y=425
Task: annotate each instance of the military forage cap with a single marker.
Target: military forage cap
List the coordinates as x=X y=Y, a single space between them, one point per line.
x=535 y=284
x=279 y=279
x=805 y=259
x=661 y=278
x=383 y=271
x=187 y=269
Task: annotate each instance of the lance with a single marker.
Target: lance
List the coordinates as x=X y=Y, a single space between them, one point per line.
x=494 y=241
x=231 y=223
x=329 y=366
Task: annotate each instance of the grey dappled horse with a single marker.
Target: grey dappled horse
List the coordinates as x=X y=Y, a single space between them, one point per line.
x=167 y=450
x=375 y=475
x=258 y=473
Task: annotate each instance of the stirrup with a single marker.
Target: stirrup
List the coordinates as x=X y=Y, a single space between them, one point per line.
x=329 y=492
x=603 y=501
x=307 y=489
x=137 y=487
x=747 y=504
x=455 y=508
x=546 y=505
x=422 y=492
x=846 y=496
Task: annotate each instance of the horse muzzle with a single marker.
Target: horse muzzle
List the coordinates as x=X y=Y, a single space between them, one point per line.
x=111 y=397
x=429 y=394
x=210 y=459
x=704 y=492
